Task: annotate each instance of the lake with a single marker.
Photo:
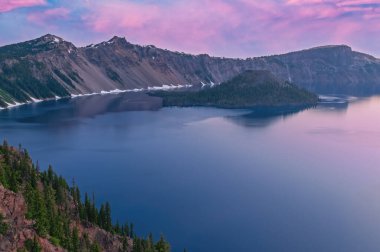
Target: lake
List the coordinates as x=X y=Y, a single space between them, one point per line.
x=218 y=180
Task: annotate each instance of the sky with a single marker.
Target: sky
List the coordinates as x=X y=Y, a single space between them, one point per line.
x=230 y=28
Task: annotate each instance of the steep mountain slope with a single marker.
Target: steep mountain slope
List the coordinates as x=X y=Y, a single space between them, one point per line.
x=252 y=88
x=50 y=66
x=331 y=69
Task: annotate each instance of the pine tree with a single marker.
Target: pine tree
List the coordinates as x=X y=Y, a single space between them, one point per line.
x=137 y=246
x=75 y=240
x=117 y=228
x=51 y=209
x=94 y=211
x=3 y=226
x=125 y=229
x=87 y=206
x=95 y=247
x=102 y=217
x=149 y=244
x=50 y=174
x=108 y=221
x=125 y=244
x=162 y=245
x=33 y=245
x=66 y=238
x=40 y=214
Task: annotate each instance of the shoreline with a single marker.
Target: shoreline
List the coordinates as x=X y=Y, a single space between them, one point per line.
x=102 y=92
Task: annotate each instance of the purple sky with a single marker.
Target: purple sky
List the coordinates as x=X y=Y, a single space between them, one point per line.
x=232 y=28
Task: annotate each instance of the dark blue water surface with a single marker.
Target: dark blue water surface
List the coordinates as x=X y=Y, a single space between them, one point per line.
x=219 y=180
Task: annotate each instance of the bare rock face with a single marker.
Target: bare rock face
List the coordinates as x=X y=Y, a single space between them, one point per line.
x=50 y=66
x=13 y=208
x=107 y=241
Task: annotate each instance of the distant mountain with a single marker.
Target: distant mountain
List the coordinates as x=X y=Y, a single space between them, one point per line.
x=252 y=88
x=49 y=66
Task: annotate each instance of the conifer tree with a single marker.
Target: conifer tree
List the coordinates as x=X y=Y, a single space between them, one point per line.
x=162 y=245
x=108 y=222
x=3 y=226
x=40 y=214
x=75 y=240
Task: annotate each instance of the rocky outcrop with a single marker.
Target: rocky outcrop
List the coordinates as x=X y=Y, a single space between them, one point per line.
x=13 y=208
x=108 y=241
x=50 y=66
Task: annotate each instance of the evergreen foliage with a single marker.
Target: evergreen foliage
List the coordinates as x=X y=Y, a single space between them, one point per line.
x=3 y=226
x=55 y=206
x=32 y=245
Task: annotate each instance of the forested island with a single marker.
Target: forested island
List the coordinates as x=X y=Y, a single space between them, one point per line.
x=252 y=88
x=40 y=211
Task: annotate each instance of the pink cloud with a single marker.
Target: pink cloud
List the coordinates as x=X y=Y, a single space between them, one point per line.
x=205 y=25
x=221 y=27
x=357 y=2
x=299 y=2
x=9 y=5
x=42 y=17
x=181 y=23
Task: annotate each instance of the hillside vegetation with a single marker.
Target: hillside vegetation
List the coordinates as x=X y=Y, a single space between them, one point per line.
x=40 y=211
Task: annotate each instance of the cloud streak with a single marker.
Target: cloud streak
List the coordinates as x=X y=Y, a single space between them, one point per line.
x=46 y=17
x=240 y=28
x=9 y=5
x=223 y=26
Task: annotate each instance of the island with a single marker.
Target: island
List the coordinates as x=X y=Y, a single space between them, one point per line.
x=250 y=89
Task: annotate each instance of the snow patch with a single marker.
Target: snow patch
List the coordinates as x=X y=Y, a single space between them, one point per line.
x=16 y=104
x=32 y=100
x=118 y=91
x=211 y=84
x=35 y=100
x=115 y=91
x=102 y=92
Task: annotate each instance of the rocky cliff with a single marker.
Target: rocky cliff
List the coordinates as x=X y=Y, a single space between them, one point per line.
x=20 y=229
x=49 y=66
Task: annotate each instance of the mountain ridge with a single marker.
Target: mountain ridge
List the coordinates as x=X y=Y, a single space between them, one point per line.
x=49 y=67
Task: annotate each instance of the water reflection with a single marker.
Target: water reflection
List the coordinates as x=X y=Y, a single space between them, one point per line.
x=68 y=111
x=263 y=117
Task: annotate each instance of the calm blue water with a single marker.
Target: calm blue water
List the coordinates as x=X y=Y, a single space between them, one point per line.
x=219 y=180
